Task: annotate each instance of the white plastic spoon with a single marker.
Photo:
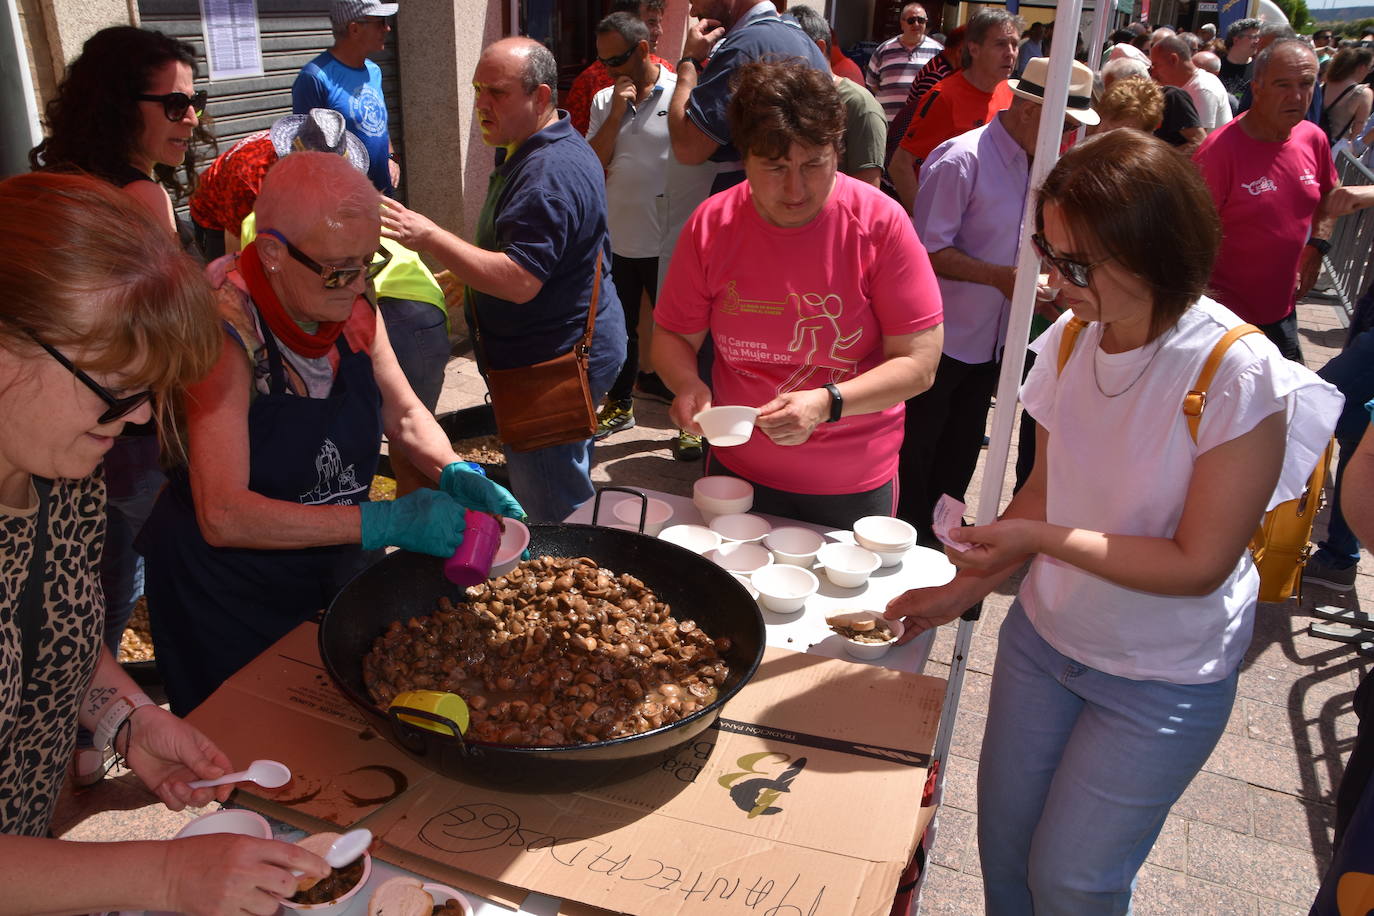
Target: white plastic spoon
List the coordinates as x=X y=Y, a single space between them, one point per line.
x=343 y=851
x=348 y=847
x=267 y=773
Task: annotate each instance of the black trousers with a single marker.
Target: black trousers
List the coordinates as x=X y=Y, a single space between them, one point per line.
x=944 y=434
x=1284 y=334
x=632 y=277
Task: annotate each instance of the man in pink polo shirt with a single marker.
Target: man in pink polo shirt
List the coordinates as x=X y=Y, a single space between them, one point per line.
x=1271 y=176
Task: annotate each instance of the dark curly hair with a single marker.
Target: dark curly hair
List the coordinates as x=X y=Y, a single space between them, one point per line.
x=778 y=103
x=94 y=121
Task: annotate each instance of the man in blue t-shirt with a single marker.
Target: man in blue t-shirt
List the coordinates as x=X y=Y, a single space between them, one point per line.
x=344 y=79
x=532 y=264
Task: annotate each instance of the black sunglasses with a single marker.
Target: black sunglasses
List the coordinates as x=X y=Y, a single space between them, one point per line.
x=174 y=104
x=118 y=407
x=912 y=20
x=1076 y=272
x=333 y=277
x=619 y=58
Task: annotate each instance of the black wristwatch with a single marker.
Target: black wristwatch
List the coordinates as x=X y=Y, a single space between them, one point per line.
x=694 y=62
x=836 y=403
x=1322 y=245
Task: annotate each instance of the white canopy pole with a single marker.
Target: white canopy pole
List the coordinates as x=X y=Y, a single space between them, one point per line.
x=1014 y=355
x=1104 y=12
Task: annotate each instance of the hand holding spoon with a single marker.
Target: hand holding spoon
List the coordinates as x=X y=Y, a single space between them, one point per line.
x=267 y=773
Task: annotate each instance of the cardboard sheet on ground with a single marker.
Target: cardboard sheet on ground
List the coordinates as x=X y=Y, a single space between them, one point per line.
x=805 y=801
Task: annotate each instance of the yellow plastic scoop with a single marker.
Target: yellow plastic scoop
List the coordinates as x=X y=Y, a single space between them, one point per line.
x=439 y=702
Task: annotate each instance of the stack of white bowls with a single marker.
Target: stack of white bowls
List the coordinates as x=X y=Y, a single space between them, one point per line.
x=890 y=538
x=722 y=495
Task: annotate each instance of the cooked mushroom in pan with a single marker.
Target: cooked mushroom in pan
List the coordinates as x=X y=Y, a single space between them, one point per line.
x=558 y=651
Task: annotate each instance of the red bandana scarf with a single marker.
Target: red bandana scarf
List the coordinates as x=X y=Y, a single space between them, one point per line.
x=281 y=324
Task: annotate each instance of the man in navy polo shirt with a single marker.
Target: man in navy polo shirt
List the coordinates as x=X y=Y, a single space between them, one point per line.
x=529 y=275
x=731 y=33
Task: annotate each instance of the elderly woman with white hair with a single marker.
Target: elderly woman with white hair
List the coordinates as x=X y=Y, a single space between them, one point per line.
x=271 y=516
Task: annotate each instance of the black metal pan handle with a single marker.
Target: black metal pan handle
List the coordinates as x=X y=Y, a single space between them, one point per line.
x=643 y=505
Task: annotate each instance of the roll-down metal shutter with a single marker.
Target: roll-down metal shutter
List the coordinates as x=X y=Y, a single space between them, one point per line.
x=293 y=33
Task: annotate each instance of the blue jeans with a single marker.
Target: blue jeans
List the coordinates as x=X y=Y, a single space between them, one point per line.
x=1077 y=773
x=419 y=334
x=552 y=482
x=1351 y=371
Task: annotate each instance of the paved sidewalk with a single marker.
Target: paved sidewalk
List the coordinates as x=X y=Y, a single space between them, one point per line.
x=1251 y=836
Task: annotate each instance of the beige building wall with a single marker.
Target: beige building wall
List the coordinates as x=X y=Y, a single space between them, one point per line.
x=54 y=30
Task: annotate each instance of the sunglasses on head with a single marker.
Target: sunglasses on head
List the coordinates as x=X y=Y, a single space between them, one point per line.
x=1076 y=272
x=174 y=104
x=912 y=20
x=117 y=406
x=333 y=277
x=619 y=58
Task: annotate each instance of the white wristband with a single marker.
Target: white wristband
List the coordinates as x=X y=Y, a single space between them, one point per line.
x=114 y=716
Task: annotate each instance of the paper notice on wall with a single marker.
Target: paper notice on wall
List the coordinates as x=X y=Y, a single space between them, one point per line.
x=233 y=41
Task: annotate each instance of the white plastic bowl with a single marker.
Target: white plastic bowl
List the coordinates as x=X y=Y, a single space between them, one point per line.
x=442 y=893
x=339 y=904
x=748 y=584
x=228 y=820
x=869 y=651
x=696 y=538
x=727 y=426
x=785 y=588
x=741 y=526
x=882 y=533
x=741 y=557
x=721 y=495
x=656 y=516
x=891 y=557
x=847 y=565
x=794 y=546
x=514 y=539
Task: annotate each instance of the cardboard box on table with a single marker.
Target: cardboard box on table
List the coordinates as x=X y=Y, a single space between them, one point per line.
x=805 y=801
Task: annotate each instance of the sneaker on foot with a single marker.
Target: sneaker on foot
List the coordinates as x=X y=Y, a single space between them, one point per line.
x=614 y=417
x=1320 y=571
x=687 y=447
x=649 y=385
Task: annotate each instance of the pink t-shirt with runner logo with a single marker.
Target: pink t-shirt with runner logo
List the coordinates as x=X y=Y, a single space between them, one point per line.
x=793 y=309
x=1266 y=194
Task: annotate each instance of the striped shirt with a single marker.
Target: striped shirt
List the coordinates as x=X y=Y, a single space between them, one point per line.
x=892 y=68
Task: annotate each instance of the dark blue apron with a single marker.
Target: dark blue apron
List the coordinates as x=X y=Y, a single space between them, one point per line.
x=214 y=609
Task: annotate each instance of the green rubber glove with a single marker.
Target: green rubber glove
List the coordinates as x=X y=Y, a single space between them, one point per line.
x=425 y=521
x=474 y=490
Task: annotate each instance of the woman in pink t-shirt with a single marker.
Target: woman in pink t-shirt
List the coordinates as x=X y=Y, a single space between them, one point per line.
x=820 y=304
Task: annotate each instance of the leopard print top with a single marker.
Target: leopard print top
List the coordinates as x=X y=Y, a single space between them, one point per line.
x=38 y=733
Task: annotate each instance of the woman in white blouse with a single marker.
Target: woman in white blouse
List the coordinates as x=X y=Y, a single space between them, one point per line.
x=1116 y=666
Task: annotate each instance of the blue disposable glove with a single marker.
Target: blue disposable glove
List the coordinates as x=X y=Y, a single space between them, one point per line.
x=425 y=521
x=472 y=489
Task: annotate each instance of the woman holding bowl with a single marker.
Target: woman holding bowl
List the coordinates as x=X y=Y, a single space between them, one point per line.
x=820 y=304
x=1116 y=667
x=103 y=322
x=271 y=515
x=127 y=112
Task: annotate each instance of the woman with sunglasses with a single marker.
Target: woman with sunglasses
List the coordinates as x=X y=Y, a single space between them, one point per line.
x=103 y=322
x=126 y=112
x=1117 y=663
x=263 y=526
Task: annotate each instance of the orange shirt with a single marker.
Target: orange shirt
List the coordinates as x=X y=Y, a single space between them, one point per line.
x=951 y=107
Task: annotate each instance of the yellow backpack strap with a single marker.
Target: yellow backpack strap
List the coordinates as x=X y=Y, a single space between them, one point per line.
x=1195 y=401
x=1074 y=327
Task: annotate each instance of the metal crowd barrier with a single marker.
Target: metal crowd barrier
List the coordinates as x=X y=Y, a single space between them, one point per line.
x=1349 y=264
